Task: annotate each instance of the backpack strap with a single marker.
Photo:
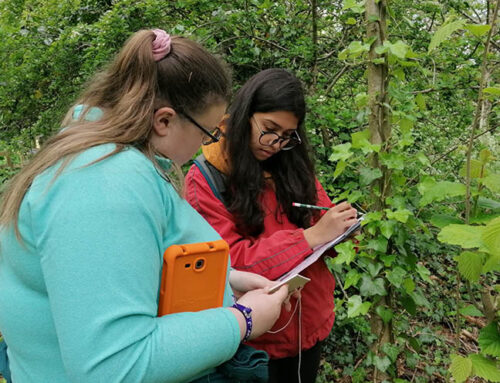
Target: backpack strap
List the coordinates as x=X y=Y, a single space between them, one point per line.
x=216 y=180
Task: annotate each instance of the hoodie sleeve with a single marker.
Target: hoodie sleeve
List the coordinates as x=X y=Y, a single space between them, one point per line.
x=270 y=256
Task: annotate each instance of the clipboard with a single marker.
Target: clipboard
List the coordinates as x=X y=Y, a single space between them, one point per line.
x=193 y=277
x=319 y=250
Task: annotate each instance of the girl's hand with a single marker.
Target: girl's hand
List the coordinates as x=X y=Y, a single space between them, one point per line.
x=332 y=224
x=265 y=307
x=242 y=281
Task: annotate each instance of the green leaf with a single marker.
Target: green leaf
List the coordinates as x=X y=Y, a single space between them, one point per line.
x=378 y=244
x=387 y=228
x=399 y=215
x=460 y=368
x=368 y=175
x=339 y=169
x=471 y=311
x=409 y=285
x=370 y=287
x=442 y=220
x=359 y=138
x=356 y=48
x=478 y=30
x=351 y=279
x=419 y=299
x=485 y=156
x=384 y=313
x=492 y=182
x=361 y=100
x=391 y=350
x=355 y=306
x=493 y=90
x=492 y=264
x=374 y=268
x=398 y=49
x=351 y=21
x=393 y=160
x=476 y=169
x=433 y=191
x=346 y=253
x=470 y=265
x=466 y=236
x=420 y=100
x=382 y=363
x=396 y=275
x=489 y=340
x=491 y=236
x=409 y=304
x=485 y=368
x=341 y=152
x=424 y=273
x=444 y=32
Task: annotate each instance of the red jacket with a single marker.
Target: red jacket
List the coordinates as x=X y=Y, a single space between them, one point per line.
x=277 y=250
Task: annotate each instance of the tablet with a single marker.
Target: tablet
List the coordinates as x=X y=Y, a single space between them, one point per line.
x=193 y=277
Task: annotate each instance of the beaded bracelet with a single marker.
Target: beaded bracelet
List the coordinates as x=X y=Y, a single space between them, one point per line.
x=247 y=314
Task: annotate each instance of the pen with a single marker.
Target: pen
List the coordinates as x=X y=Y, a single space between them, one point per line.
x=296 y=204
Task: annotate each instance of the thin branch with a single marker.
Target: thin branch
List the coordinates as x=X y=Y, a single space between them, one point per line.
x=336 y=78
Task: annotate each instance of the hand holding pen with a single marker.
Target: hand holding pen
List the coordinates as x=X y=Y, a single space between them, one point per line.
x=332 y=224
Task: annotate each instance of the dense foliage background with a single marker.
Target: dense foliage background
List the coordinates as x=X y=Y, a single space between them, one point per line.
x=403 y=101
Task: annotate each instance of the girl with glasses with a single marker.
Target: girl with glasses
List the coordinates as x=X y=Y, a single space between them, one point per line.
x=264 y=160
x=84 y=225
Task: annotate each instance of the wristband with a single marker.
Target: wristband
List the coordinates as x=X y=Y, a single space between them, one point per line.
x=247 y=314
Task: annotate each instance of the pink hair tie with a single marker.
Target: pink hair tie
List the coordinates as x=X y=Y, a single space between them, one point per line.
x=161 y=44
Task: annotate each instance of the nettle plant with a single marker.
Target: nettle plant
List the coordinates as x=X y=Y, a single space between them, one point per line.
x=478 y=259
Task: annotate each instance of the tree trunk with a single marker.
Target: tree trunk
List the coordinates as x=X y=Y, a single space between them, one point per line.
x=380 y=129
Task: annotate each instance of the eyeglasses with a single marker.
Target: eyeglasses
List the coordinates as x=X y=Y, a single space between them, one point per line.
x=271 y=138
x=210 y=137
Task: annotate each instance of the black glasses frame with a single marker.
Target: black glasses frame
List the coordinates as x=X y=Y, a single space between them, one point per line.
x=213 y=137
x=280 y=139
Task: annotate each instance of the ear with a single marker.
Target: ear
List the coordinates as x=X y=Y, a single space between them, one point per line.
x=162 y=120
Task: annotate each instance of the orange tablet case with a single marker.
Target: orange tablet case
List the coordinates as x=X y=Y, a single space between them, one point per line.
x=193 y=277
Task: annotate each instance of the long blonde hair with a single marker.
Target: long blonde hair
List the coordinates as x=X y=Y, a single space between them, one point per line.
x=189 y=79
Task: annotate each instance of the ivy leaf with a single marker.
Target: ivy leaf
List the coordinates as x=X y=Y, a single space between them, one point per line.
x=355 y=306
x=471 y=311
x=466 y=236
x=485 y=368
x=384 y=313
x=419 y=299
x=396 y=275
x=370 y=287
x=400 y=215
x=392 y=351
x=409 y=304
x=351 y=279
x=470 y=265
x=444 y=32
x=424 y=273
x=387 y=228
x=382 y=363
x=359 y=138
x=491 y=236
x=489 y=340
x=478 y=30
x=460 y=368
x=341 y=152
x=368 y=175
x=492 y=182
x=409 y=285
x=346 y=253
x=374 y=268
x=378 y=244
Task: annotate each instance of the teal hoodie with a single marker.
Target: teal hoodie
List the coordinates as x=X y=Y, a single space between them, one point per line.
x=78 y=298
